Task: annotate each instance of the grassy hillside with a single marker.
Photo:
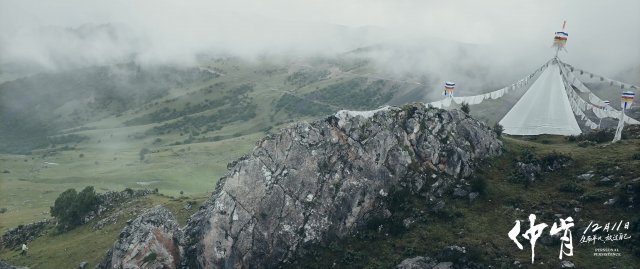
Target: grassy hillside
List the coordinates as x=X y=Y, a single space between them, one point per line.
x=481 y=226
x=170 y=128
x=176 y=128
x=67 y=250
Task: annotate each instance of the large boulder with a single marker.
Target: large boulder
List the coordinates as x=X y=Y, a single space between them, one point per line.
x=324 y=180
x=149 y=241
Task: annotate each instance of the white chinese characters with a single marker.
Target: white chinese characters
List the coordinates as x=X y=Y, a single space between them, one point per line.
x=535 y=231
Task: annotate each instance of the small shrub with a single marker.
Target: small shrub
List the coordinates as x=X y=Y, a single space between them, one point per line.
x=635 y=156
x=143 y=152
x=571 y=187
x=598 y=136
x=515 y=201
x=478 y=184
x=498 y=129
x=555 y=160
x=594 y=196
x=465 y=108
x=150 y=258
x=586 y=143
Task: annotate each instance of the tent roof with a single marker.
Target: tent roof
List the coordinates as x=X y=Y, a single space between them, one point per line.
x=543 y=109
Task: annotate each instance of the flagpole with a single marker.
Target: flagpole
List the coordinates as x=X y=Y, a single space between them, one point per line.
x=564 y=24
x=600 y=122
x=618 y=135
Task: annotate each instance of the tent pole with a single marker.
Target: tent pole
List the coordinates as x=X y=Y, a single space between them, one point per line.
x=618 y=135
x=600 y=122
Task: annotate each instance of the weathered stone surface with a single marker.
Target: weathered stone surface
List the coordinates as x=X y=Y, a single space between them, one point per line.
x=447 y=258
x=567 y=264
x=326 y=179
x=23 y=234
x=4 y=265
x=444 y=265
x=585 y=176
x=458 y=192
x=417 y=263
x=150 y=241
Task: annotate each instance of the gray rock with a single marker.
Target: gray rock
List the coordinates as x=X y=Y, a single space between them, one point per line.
x=611 y=201
x=23 y=234
x=150 y=241
x=585 y=176
x=438 y=206
x=567 y=264
x=549 y=240
x=82 y=265
x=4 y=265
x=408 y=222
x=473 y=196
x=444 y=265
x=417 y=263
x=338 y=172
x=459 y=192
x=605 y=179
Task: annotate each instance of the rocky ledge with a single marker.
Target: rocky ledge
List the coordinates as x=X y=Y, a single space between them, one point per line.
x=324 y=180
x=149 y=241
x=320 y=181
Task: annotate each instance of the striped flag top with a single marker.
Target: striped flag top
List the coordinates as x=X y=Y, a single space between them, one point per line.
x=562 y=35
x=449 y=85
x=448 y=88
x=627 y=99
x=560 y=39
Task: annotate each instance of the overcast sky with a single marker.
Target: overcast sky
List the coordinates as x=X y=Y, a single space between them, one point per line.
x=604 y=36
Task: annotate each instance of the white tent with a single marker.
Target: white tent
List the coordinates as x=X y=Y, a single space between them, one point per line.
x=543 y=109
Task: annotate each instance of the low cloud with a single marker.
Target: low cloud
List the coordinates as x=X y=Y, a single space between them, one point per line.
x=442 y=39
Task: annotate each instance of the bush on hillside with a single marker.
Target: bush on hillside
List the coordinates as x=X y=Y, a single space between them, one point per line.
x=71 y=207
x=598 y=136
x=465 y=108
x=498 y=129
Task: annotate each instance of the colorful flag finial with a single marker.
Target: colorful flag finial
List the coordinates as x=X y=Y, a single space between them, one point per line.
x=627 y=99
x=448 y=88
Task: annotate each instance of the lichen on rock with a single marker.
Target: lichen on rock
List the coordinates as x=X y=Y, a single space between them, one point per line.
x=324 y=180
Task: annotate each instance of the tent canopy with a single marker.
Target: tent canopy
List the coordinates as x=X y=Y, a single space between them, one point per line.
x=543 y=109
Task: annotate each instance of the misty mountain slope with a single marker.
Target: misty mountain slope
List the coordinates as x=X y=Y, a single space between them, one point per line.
x=414 y=225
x=42 y=105
x=178 y=140
x=39 y=106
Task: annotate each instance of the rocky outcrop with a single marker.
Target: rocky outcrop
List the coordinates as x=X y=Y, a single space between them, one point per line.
x=149 y=241
x=418 y=262
x=324 y=180
x=4 y=265
x=109 y=200
x=449 y=257
x=23 y=234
